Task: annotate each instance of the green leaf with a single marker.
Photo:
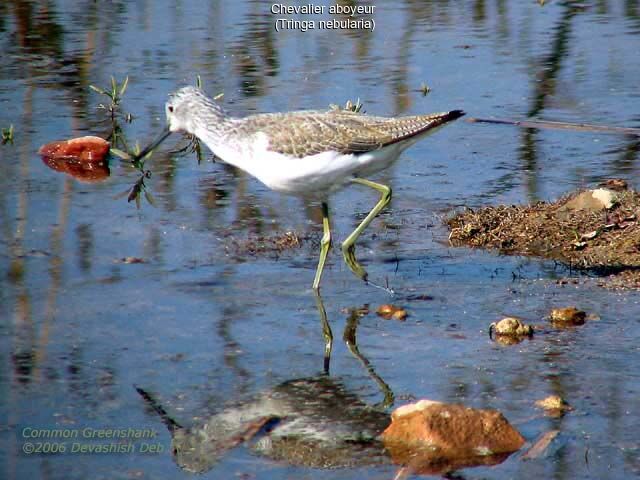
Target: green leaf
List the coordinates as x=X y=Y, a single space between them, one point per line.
x=119 y=153
x=96 y=89
x=124 y=85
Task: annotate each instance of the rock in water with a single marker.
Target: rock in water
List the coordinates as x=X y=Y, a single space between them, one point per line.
x=569 y=316
x=83 y=149
x=83 y=158
x=434 y=437
x=511 y=326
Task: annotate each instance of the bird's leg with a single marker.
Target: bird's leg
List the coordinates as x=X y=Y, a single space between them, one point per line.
x=325 y=245
x=348 y=246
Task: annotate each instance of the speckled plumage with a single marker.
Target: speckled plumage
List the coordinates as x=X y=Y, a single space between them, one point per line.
x=308 y=132
x=305 y=133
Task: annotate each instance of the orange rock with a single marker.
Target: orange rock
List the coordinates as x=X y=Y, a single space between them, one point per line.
x=83 y=149
x=433 y=437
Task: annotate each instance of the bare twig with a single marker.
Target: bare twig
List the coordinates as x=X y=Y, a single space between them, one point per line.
x=581 y=127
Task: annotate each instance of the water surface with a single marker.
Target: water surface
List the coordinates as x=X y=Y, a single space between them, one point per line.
x=200 y=324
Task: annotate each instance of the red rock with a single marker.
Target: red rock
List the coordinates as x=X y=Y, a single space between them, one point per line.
x=83 y=158
x=83 y=149
x=433 y=437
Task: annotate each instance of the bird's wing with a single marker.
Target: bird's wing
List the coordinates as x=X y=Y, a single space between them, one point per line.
x=302 y=134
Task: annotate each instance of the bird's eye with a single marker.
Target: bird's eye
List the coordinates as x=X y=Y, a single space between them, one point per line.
x=170 y=108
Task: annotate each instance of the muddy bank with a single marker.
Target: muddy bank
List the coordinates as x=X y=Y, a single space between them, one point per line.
x=595 y=230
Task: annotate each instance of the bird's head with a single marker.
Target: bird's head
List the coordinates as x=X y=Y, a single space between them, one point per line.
x=186 y=110
x=184 y=107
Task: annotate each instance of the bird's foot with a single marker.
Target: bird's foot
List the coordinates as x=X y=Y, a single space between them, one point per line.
x=349 y=254
x=389 y=290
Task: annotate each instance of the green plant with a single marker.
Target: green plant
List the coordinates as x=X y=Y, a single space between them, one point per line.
x=115 y=94
x=424 y=89
x=139 y=189
x=349 y=107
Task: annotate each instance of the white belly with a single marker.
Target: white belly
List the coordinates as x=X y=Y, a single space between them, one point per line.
x=323 y=172
x=318 y=174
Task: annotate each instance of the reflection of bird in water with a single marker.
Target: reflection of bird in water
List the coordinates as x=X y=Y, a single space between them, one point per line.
x=304 y=153
x=312 y=422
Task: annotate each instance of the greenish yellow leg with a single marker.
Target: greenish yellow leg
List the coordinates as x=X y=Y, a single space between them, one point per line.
x=325 y=244
x=348 y=246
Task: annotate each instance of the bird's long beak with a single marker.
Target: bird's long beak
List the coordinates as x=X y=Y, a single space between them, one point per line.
x=161 y=138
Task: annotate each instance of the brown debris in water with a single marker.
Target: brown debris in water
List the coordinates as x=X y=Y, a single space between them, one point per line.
x=624 y=280
x=574 y=230
x=392 y=312
x=131 y=260
x=569 y=316
x=267 y=244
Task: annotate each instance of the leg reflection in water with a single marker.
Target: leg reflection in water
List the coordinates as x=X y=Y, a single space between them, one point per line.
x=349 y=337
x=312 y=421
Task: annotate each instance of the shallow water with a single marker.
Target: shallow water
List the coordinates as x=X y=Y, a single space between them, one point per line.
x=200 y=324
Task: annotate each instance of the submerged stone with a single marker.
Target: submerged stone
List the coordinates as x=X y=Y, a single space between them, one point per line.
x=87 y=172
x=511 y=327
x=554 y=405
x=569 y=316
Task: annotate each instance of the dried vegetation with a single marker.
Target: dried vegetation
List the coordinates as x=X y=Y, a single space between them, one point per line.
x=605 y=240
